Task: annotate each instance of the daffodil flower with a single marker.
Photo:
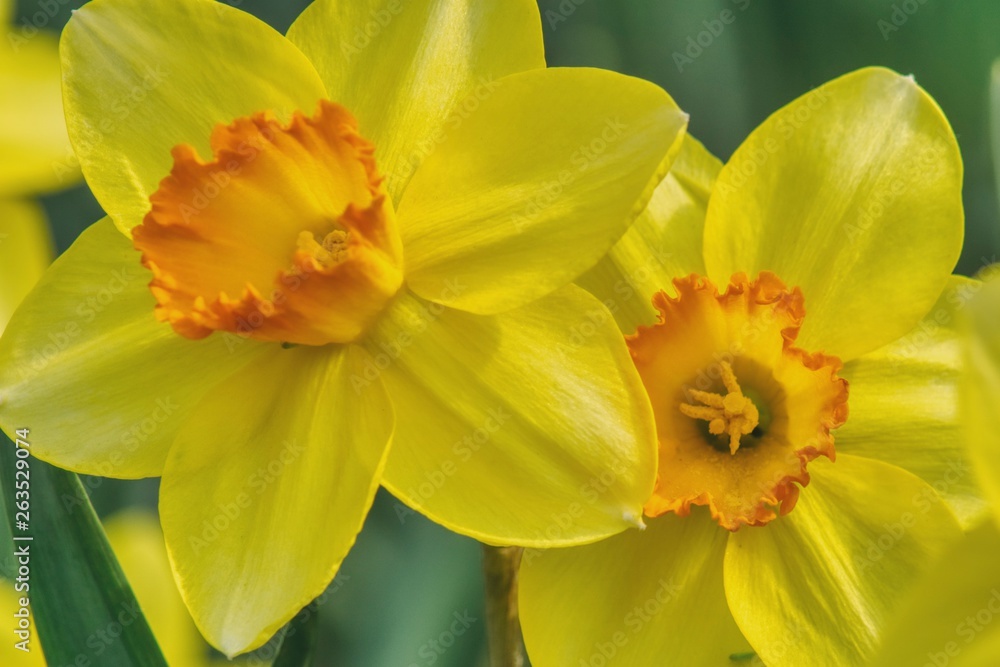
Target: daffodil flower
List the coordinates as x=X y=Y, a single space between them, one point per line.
x=792 y=315
x=33 y=142
x=949 y=618
x=981 y=389
x=35 y=155
x=360 y=233
x=25 y=252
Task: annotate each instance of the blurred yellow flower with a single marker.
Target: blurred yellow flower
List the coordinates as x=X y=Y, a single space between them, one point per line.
x=982 y=386
x=35 y=156
x=25 y=252
x=361 y=233
x=34 y=147
x=819 y=255
x=951 y=618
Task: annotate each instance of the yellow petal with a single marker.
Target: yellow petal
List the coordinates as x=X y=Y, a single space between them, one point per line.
x=535 y=186
x=141 y=78
x=409 y=71
x=651 y=597
x=664 y=243
x=137 y=541
x=853 y=193
x=25 y=251
x=981 y=387
x=33 y=141
x=267 y=487
x=86 y=341
x=513 y=429
x=949 y=619
x=825 y=579
x=905 y=405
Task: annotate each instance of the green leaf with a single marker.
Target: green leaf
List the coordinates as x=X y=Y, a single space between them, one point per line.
x=995 y=120
x=84 y=609
x=299 y=643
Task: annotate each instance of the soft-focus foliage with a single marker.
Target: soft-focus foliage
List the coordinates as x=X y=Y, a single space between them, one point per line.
x=411 y=576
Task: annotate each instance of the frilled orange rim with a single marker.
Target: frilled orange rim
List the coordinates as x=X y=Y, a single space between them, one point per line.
x=740 y=411
x=285 y=235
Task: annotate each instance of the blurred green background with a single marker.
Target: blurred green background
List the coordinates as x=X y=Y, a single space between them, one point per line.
x=406 y=578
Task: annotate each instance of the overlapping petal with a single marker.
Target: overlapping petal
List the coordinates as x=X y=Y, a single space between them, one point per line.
x=103 y=386
x=981 y=387
x=141 y=78
x=949 y=617
x=551 y=160
x=905 y=404
x=409 y=70
x=267 y=487
x=25 y=252
x=33 y=141
x=819 y=585
x=664 y=243
x=853 y=193
x=652 y=597
x=526 y=428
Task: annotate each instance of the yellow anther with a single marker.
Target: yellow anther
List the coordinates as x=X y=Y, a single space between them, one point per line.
x=332 y=251
x=733 y=413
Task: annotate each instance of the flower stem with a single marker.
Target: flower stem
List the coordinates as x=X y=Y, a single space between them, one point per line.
x=503 y=628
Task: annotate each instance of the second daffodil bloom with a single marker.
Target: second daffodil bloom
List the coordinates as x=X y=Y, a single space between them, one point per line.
x=35 y=153
x=792 y=317
x=360 y=233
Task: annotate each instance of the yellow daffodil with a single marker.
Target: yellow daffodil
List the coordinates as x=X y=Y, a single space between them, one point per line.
x=361 y=233
x=951 y=618
x=34 y=146
x=35 y=154
x=982 y=386
x=803 y=368
x=25 y=253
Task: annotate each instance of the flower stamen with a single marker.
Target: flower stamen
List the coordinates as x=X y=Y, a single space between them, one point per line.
x=295 y=241
x=733 y=413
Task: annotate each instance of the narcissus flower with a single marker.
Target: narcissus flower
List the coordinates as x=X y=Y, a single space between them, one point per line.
x=981 y=389
x=361 y=233
x=35 y=153
x=792 y=316
x=949 y=617
x=25 y=251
